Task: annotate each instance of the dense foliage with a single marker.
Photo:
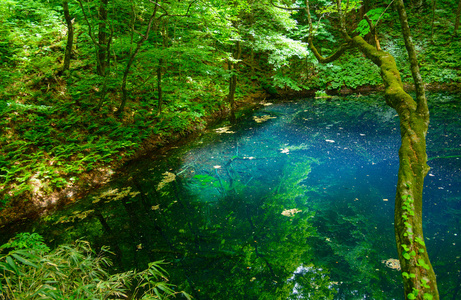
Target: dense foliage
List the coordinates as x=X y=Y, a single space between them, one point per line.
x=31 y=271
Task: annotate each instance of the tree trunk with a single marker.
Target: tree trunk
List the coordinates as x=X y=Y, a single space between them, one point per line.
x=152 y=21
x=417 y=272
x=159 y=87
x=131 y=60
x=102 y=37
x=125 y=77
x=161 y=68
x=364 y=8
x=233 y=79
x=232 y=87
x=458 y=12
x=70 y=36
x=418 y=275
x=102 y=45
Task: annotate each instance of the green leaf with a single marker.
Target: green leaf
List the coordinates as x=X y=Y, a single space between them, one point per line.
x=424 y=283
x=411 y=296
x=157 y=293
x=420 y=241
x=186 y=295
x=405 y=274
x=12 y=264
x=406 y=256
x=428 y=296
x=24 y=261
x=5 y=267
x=422 y=263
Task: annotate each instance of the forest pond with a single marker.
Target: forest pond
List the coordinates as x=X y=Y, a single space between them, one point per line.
x=294 y=200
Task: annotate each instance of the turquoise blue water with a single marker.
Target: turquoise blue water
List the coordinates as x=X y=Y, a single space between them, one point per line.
x=294 y=200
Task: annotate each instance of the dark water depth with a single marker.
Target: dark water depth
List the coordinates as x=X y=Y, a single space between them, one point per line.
x=293 y=201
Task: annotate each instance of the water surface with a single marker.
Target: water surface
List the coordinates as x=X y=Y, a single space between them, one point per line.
x=294 y=200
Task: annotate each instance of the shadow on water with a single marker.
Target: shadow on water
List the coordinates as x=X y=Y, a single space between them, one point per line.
x=293 y=202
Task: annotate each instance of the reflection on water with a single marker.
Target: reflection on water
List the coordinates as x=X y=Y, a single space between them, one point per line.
x=292 y=202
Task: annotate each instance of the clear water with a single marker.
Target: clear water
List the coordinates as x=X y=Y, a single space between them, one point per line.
x=293 y=201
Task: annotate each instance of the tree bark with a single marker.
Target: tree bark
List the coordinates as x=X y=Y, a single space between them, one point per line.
x=70 y=36
x=417 y=272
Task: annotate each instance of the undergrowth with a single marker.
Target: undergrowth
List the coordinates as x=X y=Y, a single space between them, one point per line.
x=44 y=148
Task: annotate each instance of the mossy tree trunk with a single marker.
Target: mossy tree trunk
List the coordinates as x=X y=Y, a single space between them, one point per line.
x=417 y=272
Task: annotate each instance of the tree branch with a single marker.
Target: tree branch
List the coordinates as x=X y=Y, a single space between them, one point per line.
x=167 y=14
x=342 y=22
x=320 y=58
x=373 y=31
x=419 y=85
x=90 y=32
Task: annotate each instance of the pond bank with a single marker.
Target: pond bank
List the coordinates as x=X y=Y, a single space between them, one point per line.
x=22 y=211
x=306 y=182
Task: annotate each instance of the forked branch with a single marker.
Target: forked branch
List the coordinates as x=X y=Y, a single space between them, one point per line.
x=343 y=48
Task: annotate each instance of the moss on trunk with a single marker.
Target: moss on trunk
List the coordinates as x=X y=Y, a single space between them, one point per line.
x=417 y=272
x=418 y=275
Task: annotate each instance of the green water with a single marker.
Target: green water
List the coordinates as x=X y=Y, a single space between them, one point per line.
x=293 y=201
